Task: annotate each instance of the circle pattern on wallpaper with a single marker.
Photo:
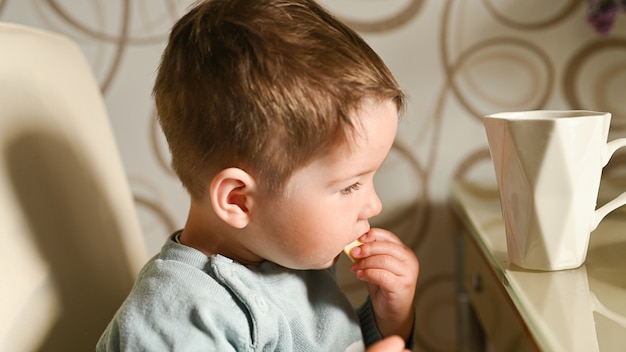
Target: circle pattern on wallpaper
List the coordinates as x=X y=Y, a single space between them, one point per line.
x=531 y=14
x=159 y=146
x=602 y=66
x=142 y=21
x=156 y=222
x=502 y=74
x=477 y=168
x=400 y=182
x=435 y=308
x=374 y=15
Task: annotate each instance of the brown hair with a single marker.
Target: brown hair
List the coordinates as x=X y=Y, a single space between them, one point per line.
x=263 y=85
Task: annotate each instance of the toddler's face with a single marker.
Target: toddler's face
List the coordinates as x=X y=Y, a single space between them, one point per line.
x=327 y=203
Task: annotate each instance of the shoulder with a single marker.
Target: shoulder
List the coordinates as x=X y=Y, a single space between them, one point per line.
x=175 y=300
x=181 y=280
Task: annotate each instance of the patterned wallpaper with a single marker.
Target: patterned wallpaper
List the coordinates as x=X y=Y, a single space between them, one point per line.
x=456 y=59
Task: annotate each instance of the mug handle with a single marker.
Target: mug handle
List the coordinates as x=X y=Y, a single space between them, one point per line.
x=618 y=201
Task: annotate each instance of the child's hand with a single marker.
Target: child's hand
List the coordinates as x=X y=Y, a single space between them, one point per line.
x=390 y=344
x=390 y=269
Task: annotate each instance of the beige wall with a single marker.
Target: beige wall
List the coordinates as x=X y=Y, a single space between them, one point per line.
x=456 y=59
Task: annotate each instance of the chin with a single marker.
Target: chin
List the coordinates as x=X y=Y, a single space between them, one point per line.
x=312 y=266
x=329 y=264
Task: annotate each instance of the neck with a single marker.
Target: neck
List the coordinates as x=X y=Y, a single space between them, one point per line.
x=207 y=233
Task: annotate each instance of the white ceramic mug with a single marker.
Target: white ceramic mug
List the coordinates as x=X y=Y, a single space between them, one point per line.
x=548 y=166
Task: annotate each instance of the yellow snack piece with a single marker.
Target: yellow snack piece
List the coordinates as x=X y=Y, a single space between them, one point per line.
x=349 y=247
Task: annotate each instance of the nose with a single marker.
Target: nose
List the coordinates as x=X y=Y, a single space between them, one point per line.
x=373 y=206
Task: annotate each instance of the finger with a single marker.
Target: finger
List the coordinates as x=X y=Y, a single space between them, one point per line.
x=377 y=234
x=382 y=262
x=393 y=249
x=382 y=278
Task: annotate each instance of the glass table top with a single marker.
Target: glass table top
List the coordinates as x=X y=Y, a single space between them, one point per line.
x=583 y=309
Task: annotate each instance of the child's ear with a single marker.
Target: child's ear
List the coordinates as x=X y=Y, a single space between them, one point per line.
x=231 y=192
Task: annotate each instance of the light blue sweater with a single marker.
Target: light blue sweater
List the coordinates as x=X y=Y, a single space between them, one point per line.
x=186 y=301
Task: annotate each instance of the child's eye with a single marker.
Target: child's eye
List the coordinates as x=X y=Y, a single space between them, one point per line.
x=355 y=187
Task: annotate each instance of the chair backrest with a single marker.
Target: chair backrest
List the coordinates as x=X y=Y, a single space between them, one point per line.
x=71 y=244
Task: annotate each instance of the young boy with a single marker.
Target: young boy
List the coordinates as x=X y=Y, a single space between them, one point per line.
x=277 y=117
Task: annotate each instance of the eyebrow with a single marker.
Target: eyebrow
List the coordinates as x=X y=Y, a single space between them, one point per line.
x=337 y=181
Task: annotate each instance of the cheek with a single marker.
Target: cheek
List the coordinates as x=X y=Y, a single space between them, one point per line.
x=325 y=228
x=315 y=228
x=315 y=215
x=310 y=231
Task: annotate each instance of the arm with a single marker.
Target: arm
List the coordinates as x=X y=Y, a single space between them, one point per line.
x=390 y=270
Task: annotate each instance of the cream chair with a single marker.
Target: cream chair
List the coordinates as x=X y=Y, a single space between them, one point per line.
x=70 y=241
